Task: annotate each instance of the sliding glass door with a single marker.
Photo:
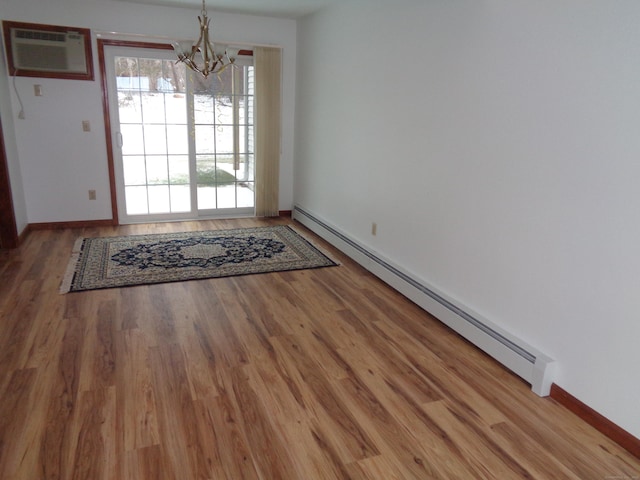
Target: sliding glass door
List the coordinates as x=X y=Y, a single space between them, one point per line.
x=183 y=145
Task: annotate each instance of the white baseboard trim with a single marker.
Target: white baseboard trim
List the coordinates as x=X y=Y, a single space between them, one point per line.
x=534 y=367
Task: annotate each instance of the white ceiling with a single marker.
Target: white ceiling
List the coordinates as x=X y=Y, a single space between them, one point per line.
x=271 y=8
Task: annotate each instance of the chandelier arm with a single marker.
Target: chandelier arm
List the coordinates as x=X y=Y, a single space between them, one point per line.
x=197 y=45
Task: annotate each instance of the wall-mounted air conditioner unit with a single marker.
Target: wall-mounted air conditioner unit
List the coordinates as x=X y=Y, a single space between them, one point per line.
x=36 y=50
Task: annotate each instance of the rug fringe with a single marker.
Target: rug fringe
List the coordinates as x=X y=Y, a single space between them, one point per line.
x=65 y=285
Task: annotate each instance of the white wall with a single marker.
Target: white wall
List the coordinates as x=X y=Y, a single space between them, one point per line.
x=59 y=161
x=496 y=145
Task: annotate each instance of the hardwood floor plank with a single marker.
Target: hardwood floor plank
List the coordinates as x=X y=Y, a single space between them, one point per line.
x=161 y=323
x=130 y=317
x=24 y=460
x=487 y=458
x=265 y=306
x=57 y=446
x=17 y=325
x=44 y=340
x=98 y=345
x=311 y=374
x=530 y=454
x=199 y=375
x=95 y=433
x=14 y=414
x=393 y=396
x=313 y=455
x=248 y=331
x=182 y=451
x=316 y=343
x=380 y=466
x=146 y=462
x=436 y=373
x=334 y=418
x=217 y=323
x=228 y=453
x=268 y=450
x=394 y=365
x=418 y=461
x=137 y=411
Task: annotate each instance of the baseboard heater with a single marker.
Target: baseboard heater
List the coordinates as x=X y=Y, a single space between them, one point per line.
x=534 y=367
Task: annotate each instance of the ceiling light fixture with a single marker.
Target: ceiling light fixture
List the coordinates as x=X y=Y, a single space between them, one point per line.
x=201 y=56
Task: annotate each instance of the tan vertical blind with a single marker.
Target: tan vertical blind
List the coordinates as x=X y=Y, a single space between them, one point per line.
x=267 y=62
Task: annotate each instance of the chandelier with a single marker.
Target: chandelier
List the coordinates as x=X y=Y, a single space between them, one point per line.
x=201 y=56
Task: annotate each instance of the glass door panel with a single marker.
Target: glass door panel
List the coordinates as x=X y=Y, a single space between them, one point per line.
x=222 y=106
x=152 y=114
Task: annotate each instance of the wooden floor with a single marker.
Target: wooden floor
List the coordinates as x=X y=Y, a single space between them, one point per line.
x=314 y=374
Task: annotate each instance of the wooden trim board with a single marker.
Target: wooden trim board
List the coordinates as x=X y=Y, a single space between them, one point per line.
x=76 y=224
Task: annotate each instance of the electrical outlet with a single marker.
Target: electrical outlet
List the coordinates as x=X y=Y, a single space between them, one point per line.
x=86 y=126
x=92 y=194
x=37 y=90
x=374 y=228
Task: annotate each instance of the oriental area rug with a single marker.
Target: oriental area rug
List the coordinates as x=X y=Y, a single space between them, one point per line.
x=108 y=262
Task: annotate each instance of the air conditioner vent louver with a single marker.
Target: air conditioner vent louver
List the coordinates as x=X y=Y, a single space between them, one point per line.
x=41 y=35
x=44 y=57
